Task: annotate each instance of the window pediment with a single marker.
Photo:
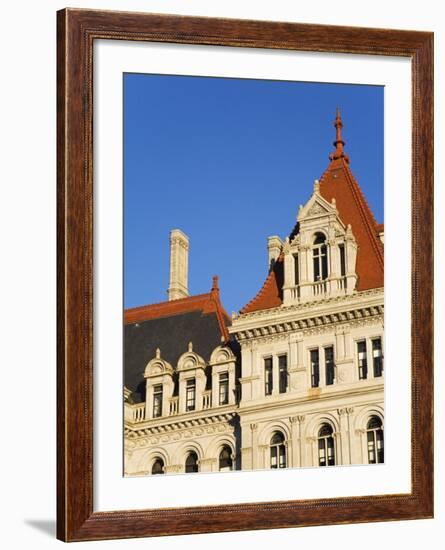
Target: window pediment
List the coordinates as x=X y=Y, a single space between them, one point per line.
x=157 y=367
x=190 y=360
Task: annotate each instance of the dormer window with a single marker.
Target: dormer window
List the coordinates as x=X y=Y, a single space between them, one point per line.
x=320 y=257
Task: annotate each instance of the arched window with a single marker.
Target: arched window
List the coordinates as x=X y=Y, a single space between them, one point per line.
x=320 y=257
x=374 y=435
x=326 y=450
x=277 y=451
x=225 y=459
x=158 y=467
x=191 y=463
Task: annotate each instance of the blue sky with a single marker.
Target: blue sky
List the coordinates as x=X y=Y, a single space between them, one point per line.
x=228 y=161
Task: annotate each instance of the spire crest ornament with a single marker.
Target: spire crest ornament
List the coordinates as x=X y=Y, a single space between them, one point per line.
x=338 y=143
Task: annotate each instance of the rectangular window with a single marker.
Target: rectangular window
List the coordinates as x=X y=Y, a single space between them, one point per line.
x=297 y=270
x=190 y=398
x=316 y=259
x=315 y=368
x=377 y=357
x=342 y=260
x=282 y=369
x=224 y=388
x=362 y=360
x=329 y=365
x=157 y=401
x=268 y=377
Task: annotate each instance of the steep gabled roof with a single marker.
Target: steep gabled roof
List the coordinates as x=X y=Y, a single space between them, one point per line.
x=170 y=326
x=337 y=182
x=205 y=303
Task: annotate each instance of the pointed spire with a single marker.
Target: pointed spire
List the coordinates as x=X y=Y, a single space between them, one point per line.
x=338 y=143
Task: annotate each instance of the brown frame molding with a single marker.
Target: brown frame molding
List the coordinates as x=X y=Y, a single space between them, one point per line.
x=77 y=29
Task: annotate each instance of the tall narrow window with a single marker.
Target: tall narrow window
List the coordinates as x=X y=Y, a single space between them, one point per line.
x=282 y=370
x=190 y=398
x=341 y=248
x=158 y=467
x=320 y=258
x=225 y=459
x=277 y=451
x=374 y=434
x=157 y=401
x=329 y=365
x=191 y=463
x=224 y=388
x=377 y=357
x=268 y=376
x=296 y=270
x=326 y=451
x=362 y=360
x=315 y=368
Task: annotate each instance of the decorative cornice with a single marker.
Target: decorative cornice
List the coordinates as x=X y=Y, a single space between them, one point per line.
x=173 y=423
x=275 y=331
x=302 y=307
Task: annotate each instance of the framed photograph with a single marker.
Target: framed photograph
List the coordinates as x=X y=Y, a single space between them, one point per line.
x=245 y=228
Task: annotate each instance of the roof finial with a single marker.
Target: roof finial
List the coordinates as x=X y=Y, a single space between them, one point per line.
x=215 y=288
x=215 y=282
x=339 y=143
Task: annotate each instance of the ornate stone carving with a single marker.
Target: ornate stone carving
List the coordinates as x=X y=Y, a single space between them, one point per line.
x=315 y=209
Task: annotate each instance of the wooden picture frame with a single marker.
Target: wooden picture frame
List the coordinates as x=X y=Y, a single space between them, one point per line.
x=77 y=31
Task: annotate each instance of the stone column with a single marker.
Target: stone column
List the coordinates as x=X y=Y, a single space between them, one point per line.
x=215 y=388
x=362 y=456
x=344 y=441
x=312 y=443
x=297 y=443
x=307 y=270
x=232 y=396
x=338 y=442
x=275 y=376
x=263 y=463
x=254 y=439
x=351 y=257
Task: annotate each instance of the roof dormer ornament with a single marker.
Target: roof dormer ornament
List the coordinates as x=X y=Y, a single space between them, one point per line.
x=158 y=353
x=338 y=143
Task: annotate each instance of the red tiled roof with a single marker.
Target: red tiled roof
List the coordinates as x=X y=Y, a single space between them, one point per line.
x=337 y=182
x=206 y=303
x=271 y=293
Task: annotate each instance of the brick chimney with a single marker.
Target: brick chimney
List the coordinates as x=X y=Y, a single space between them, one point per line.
x=179 y=265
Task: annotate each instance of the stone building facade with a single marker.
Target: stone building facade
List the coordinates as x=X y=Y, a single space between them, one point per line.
x=295 y=379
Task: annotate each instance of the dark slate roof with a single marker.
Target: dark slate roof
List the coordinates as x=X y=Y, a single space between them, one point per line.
x=171 y=335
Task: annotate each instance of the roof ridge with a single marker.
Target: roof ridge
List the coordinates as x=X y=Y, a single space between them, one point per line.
x=195 y=297
x=169 y=307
